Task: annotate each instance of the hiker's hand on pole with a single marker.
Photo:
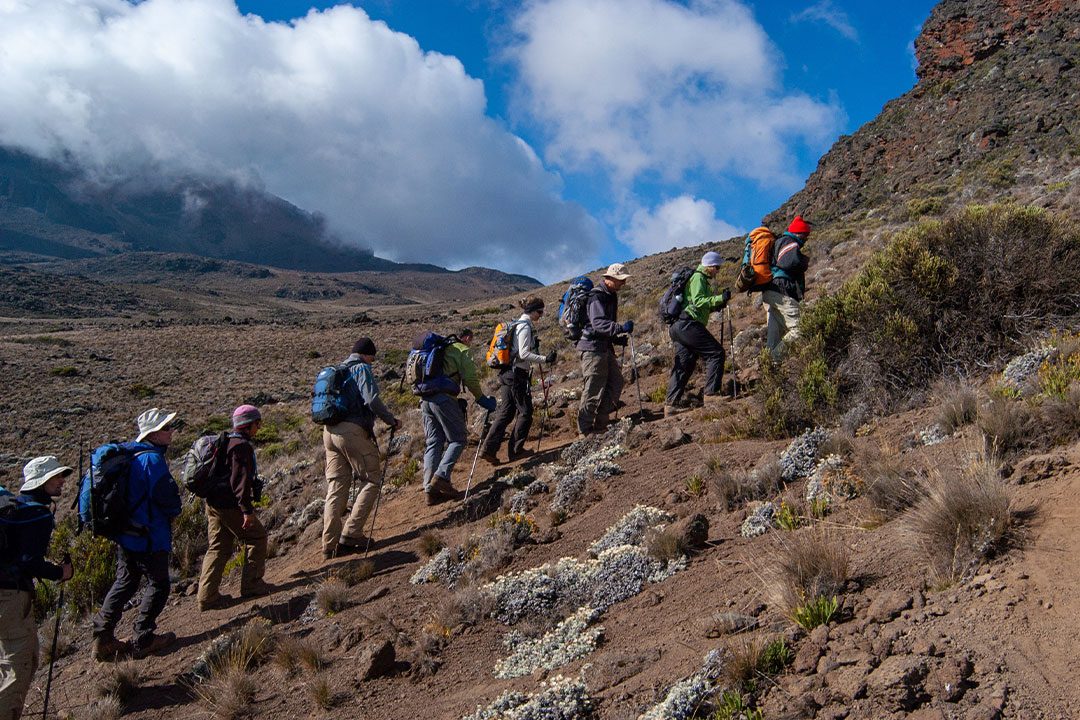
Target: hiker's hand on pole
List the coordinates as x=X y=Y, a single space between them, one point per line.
x=249 y=518
x=68 y=568
x=550 y=358
x=725 y=296
x=396 y=425
x=628 y=327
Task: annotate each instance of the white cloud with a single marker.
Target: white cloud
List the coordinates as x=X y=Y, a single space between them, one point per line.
x=680 y=222
x=825 y=11
x=658 y=88
x=334 y=112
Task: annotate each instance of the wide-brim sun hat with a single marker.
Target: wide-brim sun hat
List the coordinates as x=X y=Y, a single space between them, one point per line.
x=616 y=271
x=40 y=470
x=153 y=420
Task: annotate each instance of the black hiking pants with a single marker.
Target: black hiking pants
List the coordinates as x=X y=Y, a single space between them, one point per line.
x=515 y=401
x=131 y=568
x=693 y=340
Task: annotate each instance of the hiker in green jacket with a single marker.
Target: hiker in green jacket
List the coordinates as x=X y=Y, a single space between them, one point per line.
x=692 y=338
x=445 y=430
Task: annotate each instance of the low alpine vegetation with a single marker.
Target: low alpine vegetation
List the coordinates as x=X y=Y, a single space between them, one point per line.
x=806 y=566
x=332 y=596
x=431 y=543
x=121 y=681
x=959 y=406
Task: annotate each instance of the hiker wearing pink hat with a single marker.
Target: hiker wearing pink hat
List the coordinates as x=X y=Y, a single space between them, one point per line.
x=231 y=518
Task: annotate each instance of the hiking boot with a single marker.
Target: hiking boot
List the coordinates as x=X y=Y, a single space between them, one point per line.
x=154 y=644
x=672 y=410
x=490 y=459
x=514 y=457
x=215 y=603
x=349 y=548
x=260 y=587
x=433 y=497
x=107 y=648
x=443 y=487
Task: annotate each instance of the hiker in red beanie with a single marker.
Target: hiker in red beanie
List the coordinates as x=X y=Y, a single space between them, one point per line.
x=783 y=294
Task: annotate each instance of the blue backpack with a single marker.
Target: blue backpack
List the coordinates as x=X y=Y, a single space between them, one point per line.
x=424 y=366
x=334 y=398
x=573 y=308
x=103 y=490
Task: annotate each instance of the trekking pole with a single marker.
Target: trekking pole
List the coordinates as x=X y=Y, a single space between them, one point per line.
x=479 y=444
x=59 y=612
x=734 y=368
x=543 y=419
x=637 y=380
x=378 y=498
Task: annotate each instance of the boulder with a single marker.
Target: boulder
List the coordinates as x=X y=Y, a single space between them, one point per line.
x=889 y=604
x=376 y=660
x=1039 y=467
x=692 y=531
x=948 y=682
x=897 y=682
x=675 y=437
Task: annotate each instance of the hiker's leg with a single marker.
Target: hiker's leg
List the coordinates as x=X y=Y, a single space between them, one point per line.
x=613 y=387
x=219 y=549
x=682 y=367
x=594 y=368
x=504 y=413
x=524 y=406
x=18 y=650
x=434 y=441
x=704 y=344
x=155 y=566
x=123 y=589
x=253 y=539
x=451 y=422
x=789 y=311
x=364 y=458
x=338 y=482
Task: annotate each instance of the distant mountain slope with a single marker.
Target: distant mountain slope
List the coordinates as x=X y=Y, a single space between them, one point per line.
x=993 y=117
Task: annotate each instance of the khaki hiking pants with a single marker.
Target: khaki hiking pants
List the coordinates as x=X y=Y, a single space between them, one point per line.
x=18 y=651
x=350 y=452
x=602 y=387
x=224 y=529
x=782 y=316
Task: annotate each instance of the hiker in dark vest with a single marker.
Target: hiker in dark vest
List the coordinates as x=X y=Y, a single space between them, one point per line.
x=784 y=293
x=27 y=526
x=692 y=337
x=351 y=452
x=231 y=518
x=515 y=391
x=445 y=429
x=143 y=550
x=603 y=380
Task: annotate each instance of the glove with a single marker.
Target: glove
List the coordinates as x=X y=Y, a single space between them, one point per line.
x=487 y=402
x=725 y=296
x=628 y=326
x=550 y=358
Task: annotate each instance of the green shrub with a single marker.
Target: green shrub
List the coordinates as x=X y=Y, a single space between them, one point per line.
x=141 y=391
x=695 y=485
x=64 y=371
x=917 y=207
x=816 y=611
x=189 y=538
x=788 y=517
x=94 y=561
x=732 y=706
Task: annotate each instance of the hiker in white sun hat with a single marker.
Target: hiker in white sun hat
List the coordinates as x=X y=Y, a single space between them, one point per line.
x=603 y=380
x=153 y=500
x=26 y=523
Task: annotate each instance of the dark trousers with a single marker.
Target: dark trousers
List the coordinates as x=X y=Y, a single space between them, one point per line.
x=693 y=340
x=515 y=401
x=131 y=568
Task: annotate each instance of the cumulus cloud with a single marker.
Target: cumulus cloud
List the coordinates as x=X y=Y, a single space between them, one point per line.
x=335 y=112
x=657 y=88
x=826 y=12
x=680 y=222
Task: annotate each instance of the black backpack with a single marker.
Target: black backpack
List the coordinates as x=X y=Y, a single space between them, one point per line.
x=103 y=490
x=671 y=304
x=9 y=521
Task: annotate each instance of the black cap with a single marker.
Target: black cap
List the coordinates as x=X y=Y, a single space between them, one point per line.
x=364 y=346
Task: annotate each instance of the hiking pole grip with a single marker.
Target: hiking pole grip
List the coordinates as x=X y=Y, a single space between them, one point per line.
x=378 y=498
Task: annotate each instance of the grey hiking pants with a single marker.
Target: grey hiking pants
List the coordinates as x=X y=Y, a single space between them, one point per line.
x=444 y=434
x=601 y=391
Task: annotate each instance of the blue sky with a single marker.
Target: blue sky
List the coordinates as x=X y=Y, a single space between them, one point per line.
x=545 y=137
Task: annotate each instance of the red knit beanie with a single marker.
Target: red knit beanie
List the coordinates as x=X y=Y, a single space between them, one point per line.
x=799 y=226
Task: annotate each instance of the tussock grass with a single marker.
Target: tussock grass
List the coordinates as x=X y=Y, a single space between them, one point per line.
x=121 y=681
x=889 y=484
x=665 y=546
x=959 y=406
x=1007 y=427
x=321 y=693
x=1061 y=417
x=108 y=707
x=733 y=487
x=294 y=654
x=430 y=543
x=963 y=518
x=752 y=659
x=806 y=565
x=332 y=596
x=228 y=693
x=353 y=573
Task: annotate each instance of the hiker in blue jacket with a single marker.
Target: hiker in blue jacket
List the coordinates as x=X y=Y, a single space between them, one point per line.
x=27 y=526
x=143 y=550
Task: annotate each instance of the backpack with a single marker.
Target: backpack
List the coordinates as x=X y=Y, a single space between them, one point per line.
x=573 y=309
x=203 y=462
x=9 y=507
x=424 y=366
x=500 y=353
x=331 y=401
x=103 y=490
x=756 y=270
x=671 y=303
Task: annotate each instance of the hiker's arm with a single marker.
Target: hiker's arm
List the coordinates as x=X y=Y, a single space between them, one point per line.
x=524 y=339
x=467 y=371
x=242 y=476
x=369 y=391
x=601 y=326
x=34 y=542
x=699 y=301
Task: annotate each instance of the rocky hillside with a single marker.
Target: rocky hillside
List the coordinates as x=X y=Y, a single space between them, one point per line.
x=994 y=116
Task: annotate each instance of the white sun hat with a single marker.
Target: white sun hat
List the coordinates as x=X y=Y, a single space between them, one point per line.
x=38 y=471
x=153 y=420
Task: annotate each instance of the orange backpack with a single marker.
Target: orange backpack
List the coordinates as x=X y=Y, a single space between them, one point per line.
x=756 y=269
x=500 y=353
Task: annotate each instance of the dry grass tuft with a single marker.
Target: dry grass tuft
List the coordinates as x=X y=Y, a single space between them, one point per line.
x=733 y=487
x=959 y=406
x=431 y=543
x=354 y=573
x=103 y=708
x=665 y=546
x=228 y=693
x=1061 y=417
x=889 y=484
x=321 y=693
x=465 y=608
x=121 y=681
x=332 y=596
x=806 y=565
x=963 y=518
x=838 y=443
x=1007 y=426
x=296 y=653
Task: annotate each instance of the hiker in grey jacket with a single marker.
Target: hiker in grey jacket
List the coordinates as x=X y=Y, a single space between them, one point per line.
x=603 y=377
x=515 y=392
x=351 y=451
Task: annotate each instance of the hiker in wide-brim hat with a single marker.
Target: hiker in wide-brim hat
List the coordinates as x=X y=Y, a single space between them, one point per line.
x=26 y=524
x=603 y=380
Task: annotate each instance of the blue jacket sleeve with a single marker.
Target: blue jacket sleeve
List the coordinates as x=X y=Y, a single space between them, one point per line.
x=165 y=495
